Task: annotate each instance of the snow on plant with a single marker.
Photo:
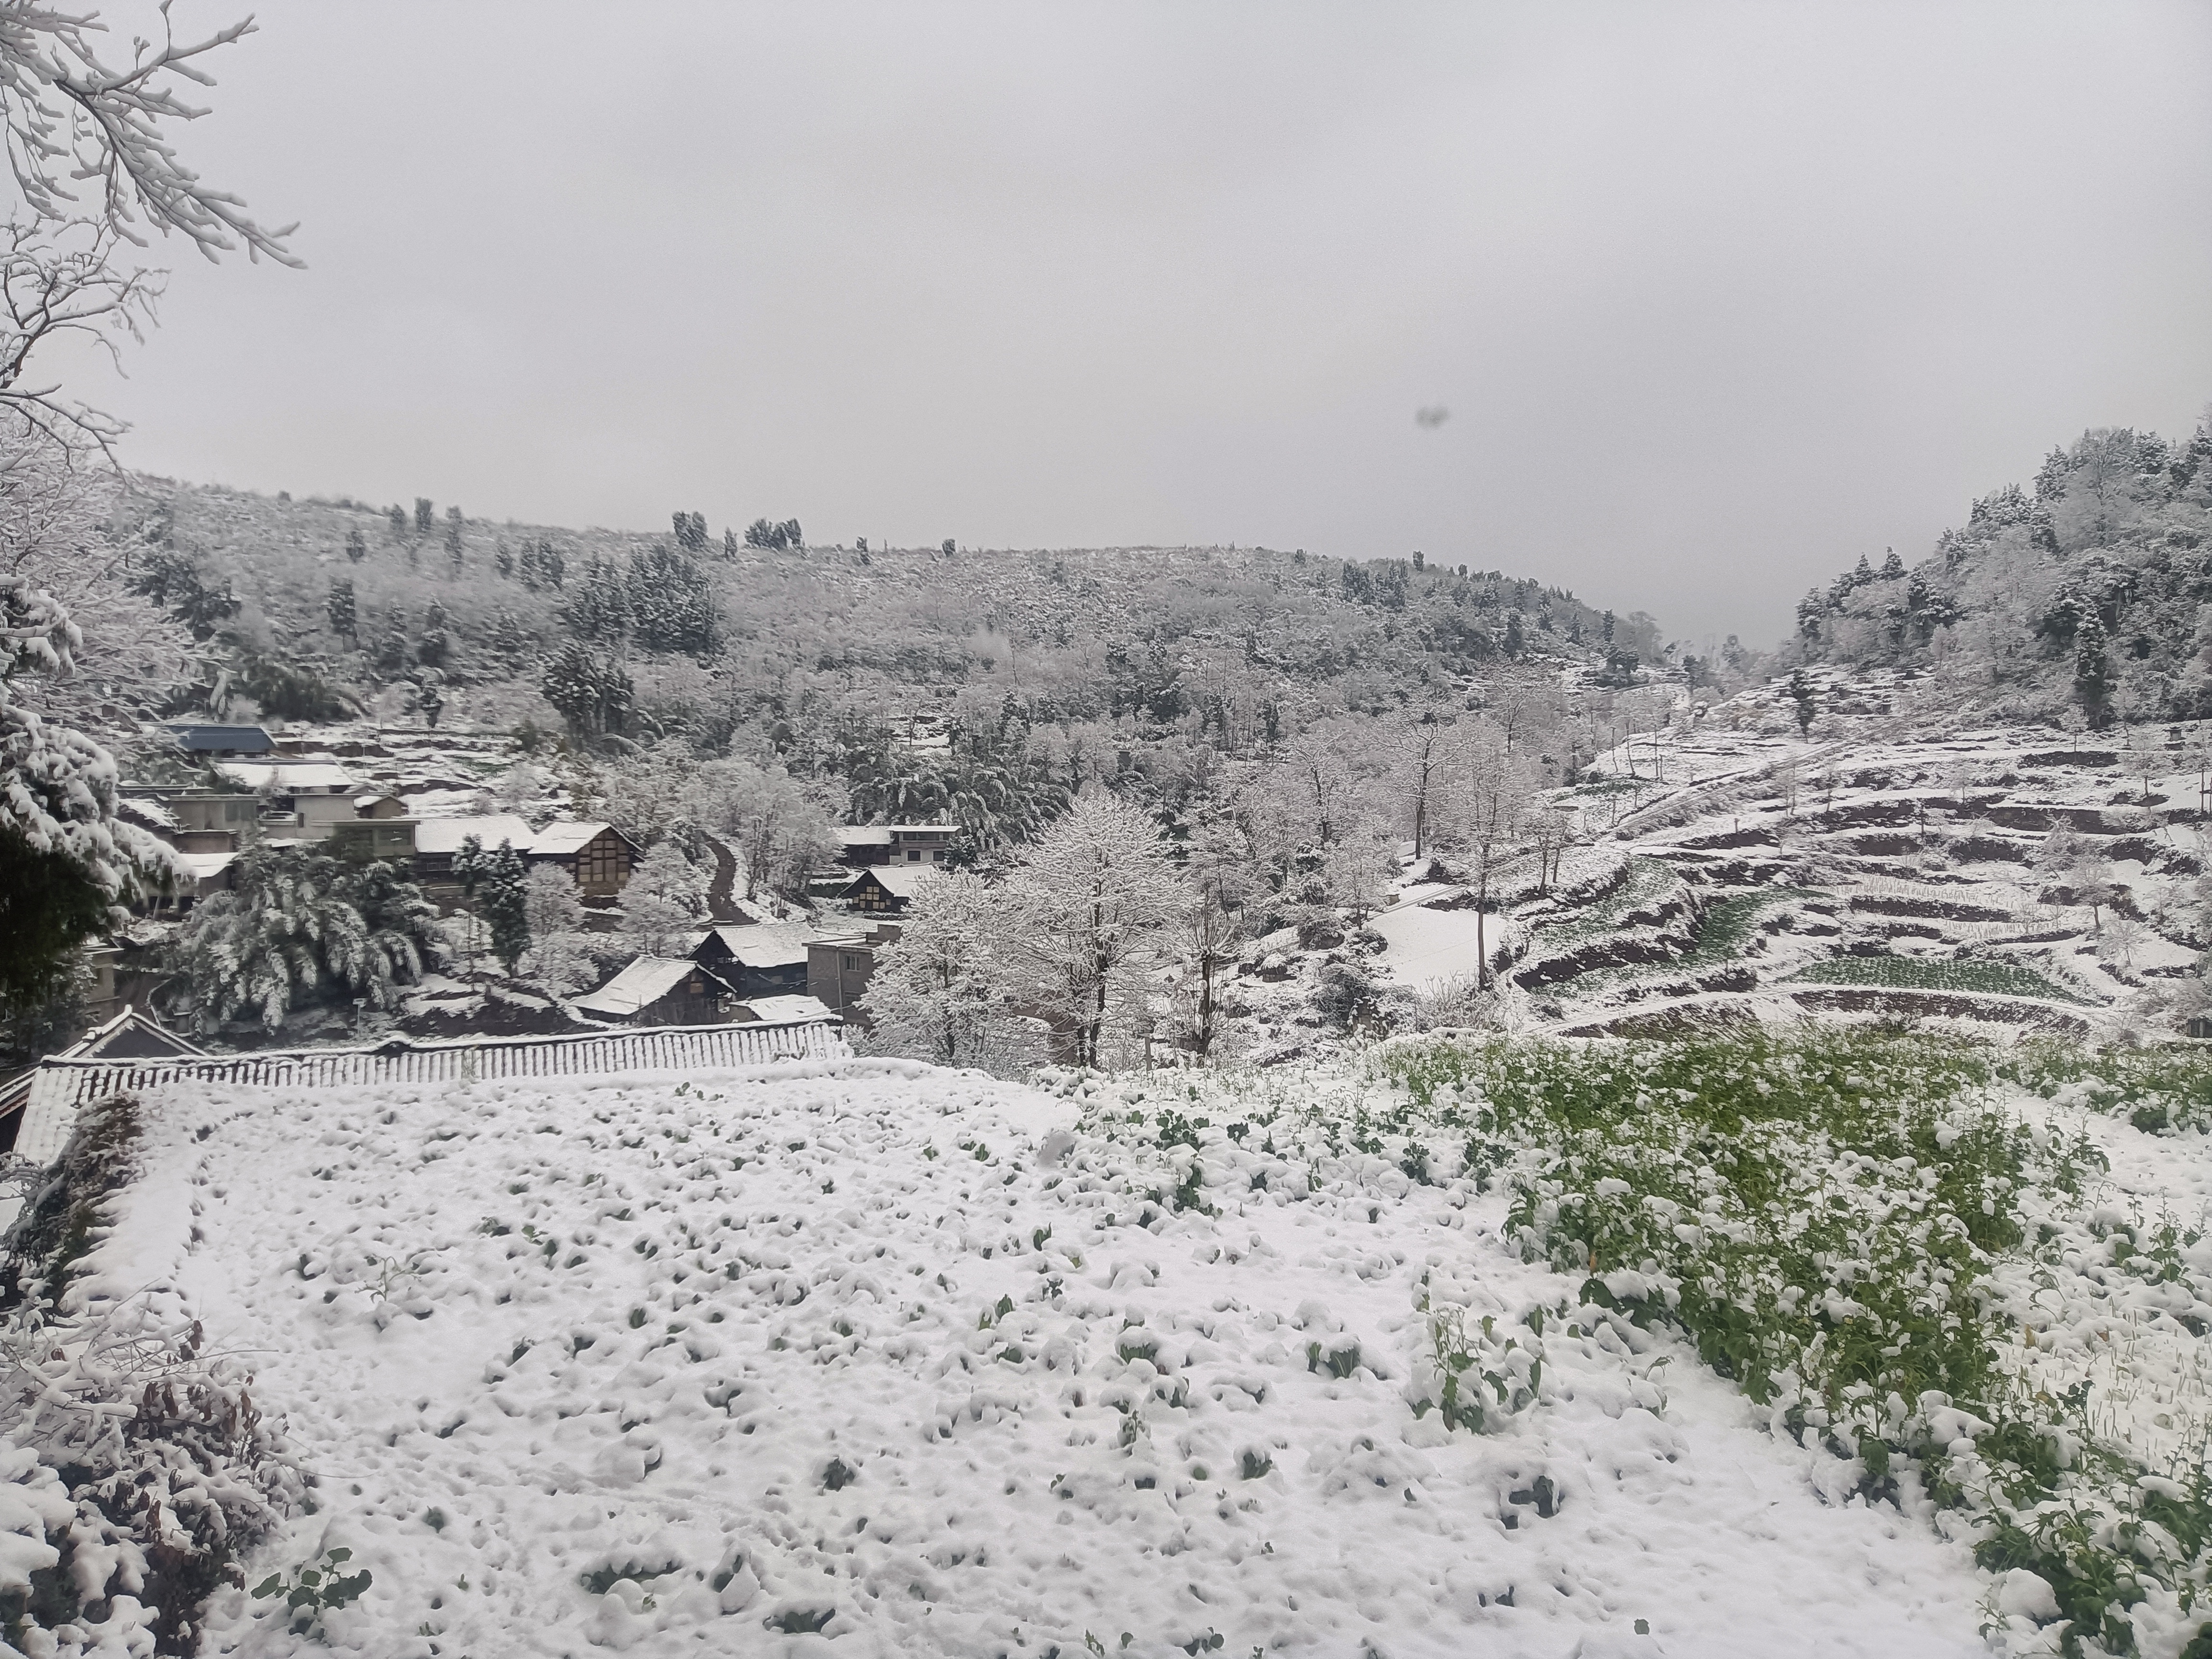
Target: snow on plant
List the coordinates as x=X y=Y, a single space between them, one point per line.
x=298 y=925
x=1858 y=1232
x=164 y=1468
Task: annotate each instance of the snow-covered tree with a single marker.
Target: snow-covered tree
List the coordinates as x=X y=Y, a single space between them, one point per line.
x=299 y=927
x=561 y=956
x=941 y=991
x=664 y=904
x=1089 y=907
x=66 y=860
x=494 y=880
x=1492 y=789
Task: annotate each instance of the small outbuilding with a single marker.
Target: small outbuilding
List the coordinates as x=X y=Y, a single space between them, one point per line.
x=661 y=991
x=759 y=961
x=204 y=741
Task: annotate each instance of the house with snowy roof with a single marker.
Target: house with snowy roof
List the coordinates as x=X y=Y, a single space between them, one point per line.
x=886 y=890
x=661 y=991
x=758 y=960
x=597 y=857
x=864 y=844
x=438 y=841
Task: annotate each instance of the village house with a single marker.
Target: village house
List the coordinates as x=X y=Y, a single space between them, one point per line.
x=438 y=842
x=758 y=960
x=840 y=965
x=862 y=845
x=662 y=991
x=299 y=800
x=597 y=857
x=885 y=890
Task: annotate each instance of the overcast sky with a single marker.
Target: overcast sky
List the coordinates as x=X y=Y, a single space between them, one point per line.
x=1719 y=297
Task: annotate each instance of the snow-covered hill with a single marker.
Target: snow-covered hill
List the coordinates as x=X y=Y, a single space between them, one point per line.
x=918 y=1362
x=1888 y=864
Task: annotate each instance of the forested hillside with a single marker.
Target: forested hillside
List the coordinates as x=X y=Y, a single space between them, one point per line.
x=2081 y=597
x=715 y=634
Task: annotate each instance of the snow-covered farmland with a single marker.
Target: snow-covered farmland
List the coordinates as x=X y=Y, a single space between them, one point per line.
x=865 y=1357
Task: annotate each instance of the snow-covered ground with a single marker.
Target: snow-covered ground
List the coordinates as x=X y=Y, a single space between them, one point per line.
x=886 y=1353
x=1916 y=854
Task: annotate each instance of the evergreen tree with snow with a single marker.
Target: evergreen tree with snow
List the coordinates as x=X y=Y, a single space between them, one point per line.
x=2093 y=669
x=591 y=692
x=356 y=545
x=494 y=881
x=1801 y=695
x=344 y=619
x=67 y=862
x=297 y=928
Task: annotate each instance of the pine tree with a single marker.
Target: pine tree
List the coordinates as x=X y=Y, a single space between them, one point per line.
x=432 y=649
x=592 y=693
x=502 y=559
x=497 y=881
x=508 y=638
x=356 y=545
x=1801 y=694
x=598 y=611
x=391 y=657
x=426 y=517
x=343 y=618
x=691 y=531
x=397 y=516
x=2093 y=669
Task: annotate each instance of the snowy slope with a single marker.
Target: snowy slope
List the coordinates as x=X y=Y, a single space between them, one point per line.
x=1892 y=865
x=881 y=1348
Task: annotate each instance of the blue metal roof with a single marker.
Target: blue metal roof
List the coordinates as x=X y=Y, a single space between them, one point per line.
x=222 y=739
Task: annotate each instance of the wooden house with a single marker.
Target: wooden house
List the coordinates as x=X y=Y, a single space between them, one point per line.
x=661 y=991
x=758 y=961
x=885 y=890
x=597 y=857
x=863 y=845
x=438 y=841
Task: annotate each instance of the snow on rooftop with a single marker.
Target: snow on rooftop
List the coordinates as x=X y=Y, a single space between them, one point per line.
x=751 y=1346
x=447 y=834
x=561 y=839
x=291 y=778
x=640 y=985
x=788 y=1008
x=771 y=944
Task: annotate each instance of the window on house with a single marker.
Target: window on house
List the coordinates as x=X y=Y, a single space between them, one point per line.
x=914 y=855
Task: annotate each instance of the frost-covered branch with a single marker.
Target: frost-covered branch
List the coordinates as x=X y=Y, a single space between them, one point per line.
x=69 y=116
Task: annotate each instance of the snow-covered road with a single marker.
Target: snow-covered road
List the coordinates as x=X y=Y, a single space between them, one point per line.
x=881 y=1351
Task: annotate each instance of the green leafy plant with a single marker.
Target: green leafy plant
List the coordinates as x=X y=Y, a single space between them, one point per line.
x=308 y=1592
